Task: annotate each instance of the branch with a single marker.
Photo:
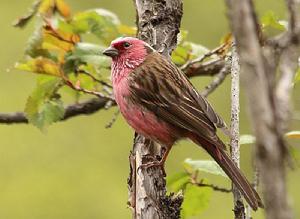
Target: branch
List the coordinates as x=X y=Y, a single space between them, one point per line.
x=288 y=66
x=294 y=18
x=84 y=108
x=209 y=68
x=219 y=78
x=239 y=208
x=81 y=71
x=212 y=186
x=95 y=93
x=200 y=59
x=158 y=24
x=258 y=75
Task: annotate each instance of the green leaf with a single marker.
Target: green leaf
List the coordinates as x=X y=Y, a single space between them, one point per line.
x=181 y=54
x=271 y=23
x=127 y=30
x=34 y=44
x=247 y=139
x=86 y=53
x=208 y=166
x=196 y=200
x=88 y=49
x=83 y=81
x=198 y=50
x=43 y=106
x=297 y=76
x=100 y=22
x=177 y=181
x=295 y=154
x=186 y=51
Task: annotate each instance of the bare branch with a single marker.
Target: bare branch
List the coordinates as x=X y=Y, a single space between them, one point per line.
x=294 y=17
x=209 y=68
x=288 y=65
x=219 y=78
x=212 y=186
x=113 y=120
x=95 y=93
x=239 y=208
x=94 y=78
x=84 y=108
x=200 y=59
x=13 y=118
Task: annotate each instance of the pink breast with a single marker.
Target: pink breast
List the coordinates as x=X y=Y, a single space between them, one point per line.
x=143 y=121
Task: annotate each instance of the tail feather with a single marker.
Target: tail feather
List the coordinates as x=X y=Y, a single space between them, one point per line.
x=233 y=172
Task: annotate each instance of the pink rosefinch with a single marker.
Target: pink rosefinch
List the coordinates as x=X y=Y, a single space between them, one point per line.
x=160 y=103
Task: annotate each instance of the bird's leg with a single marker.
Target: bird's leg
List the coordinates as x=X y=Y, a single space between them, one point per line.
x=160 y=163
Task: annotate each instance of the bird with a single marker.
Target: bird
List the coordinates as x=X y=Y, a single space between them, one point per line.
x=159 y=102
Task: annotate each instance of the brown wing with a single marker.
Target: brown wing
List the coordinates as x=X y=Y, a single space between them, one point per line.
x=162 y=88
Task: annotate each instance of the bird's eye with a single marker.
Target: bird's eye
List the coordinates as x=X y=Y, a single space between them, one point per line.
x=126 y=45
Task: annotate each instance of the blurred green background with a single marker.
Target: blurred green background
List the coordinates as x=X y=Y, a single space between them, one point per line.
x=78 y=169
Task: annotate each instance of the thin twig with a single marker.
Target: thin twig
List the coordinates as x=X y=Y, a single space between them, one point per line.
x=239 y=208
x=219 y=78
x=113 y=119
x=194 y=181
x=214 y=187
x=204 y=56
x=81 y=71
x=78 y=88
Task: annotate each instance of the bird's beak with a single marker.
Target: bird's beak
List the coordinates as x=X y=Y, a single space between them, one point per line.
x=111 y=51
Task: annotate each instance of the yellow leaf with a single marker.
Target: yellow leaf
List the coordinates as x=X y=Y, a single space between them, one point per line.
x=53 y=43
x=293 y=134
x=47 y=7
x=58 y=40
x=226 y=44
x=63 y=8
x=40 y=65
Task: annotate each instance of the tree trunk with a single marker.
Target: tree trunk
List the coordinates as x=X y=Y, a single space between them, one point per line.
x=158 y=23
x=259 y=68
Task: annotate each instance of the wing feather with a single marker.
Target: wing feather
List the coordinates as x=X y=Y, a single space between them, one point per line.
x=163 y=89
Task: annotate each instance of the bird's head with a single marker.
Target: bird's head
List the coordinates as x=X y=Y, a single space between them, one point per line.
x=129 y=51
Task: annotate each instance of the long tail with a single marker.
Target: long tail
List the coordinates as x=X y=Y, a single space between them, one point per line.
x=233 y=172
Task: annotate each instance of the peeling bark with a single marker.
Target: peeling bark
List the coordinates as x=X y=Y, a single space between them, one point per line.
x=158 y=23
